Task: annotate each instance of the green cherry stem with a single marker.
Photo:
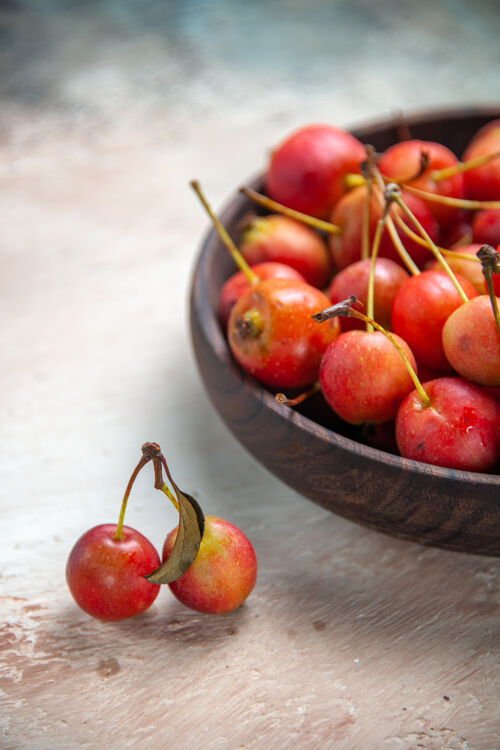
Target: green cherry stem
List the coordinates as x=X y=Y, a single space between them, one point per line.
x=345 y=309
x=469 y=205
x=454 y=253
x=396 y=239
x=265 y=202
x=119 y=526
x=435 y=251
x=374 y=254
x=238 y=258
x=490 y=263
x=367 y=170
x=153 y=450
x=462 y=166
x=353 y=180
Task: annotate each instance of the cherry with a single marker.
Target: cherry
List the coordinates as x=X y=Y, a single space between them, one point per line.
x=270 y=331
x=347 y=214
x=447 y=421
x=105 y=574
x=363 y=377
x=223 y=573
x=238 y=284
x=458 y=428
x=353 y=280
x=283 y=240
x=471 y=342
x=417 y=164
x=483 y=182
x=420 y=310
x=272 y=336
x=486 y=226
x=307 y=169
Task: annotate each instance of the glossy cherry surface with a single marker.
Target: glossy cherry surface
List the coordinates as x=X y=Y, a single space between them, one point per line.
x=106 y=575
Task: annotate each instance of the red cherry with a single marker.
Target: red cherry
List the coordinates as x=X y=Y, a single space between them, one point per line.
x=106 y=575
x=223 y=573
x=460 y=429
x=238 y=284
x=486 y=226
x=420 y=310
x=472 y=343
x=272 y=335
x=402 y=162
x=363 y=377
x=283 y=240
x=307 y=170
x=348 y=215
x=353 y=281
x=483 y=183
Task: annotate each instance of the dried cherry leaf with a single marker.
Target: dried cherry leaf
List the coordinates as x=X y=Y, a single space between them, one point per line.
x=187 y=543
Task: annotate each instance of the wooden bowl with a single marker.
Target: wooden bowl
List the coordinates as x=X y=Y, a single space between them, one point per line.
x=320 y=457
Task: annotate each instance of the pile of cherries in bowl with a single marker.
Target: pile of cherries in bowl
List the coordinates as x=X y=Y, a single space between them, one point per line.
x=408 y=237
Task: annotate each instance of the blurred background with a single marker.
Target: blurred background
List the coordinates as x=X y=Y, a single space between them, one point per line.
x=271 y=63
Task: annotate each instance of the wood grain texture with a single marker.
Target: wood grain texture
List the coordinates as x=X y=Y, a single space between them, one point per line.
x=432 y=505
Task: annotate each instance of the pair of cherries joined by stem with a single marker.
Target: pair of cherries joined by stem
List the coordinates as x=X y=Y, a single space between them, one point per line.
x=114 y=572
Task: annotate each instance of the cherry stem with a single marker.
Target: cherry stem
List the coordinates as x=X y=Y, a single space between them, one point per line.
x=353 y=180
x=433 y=247
x=238 y=258
x=345 y=309
x=421 y=241
x=463 y=166
x=367 y=169
x=374 y=253
x=164 y=487
x=469 y=205
x=396 y=240
x=282 y=399
x=265 y=202
x=150 y=452
x=148 y=449
x=490 y=264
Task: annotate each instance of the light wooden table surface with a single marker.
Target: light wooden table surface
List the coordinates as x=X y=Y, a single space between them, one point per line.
x=350 y=639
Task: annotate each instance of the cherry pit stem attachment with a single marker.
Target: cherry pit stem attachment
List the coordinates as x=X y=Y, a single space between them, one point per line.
x=345 y=309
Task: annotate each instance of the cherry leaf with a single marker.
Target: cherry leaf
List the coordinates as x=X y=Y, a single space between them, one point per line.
x=187 y=542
